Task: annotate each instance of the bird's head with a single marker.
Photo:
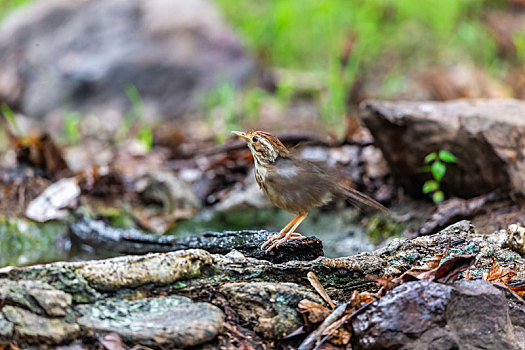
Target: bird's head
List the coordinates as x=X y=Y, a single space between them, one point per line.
x=264 y=146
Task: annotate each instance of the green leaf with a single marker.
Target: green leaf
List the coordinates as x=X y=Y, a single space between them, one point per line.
x=438 y=170
x=446 y=156
x=430 y=157
x=430 y=186
x=438 y=197
x=72 y=127
x=9 y=115
x=145 y=135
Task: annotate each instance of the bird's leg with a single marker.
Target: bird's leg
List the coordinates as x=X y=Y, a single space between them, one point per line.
x=291 y=234
x=281 y=233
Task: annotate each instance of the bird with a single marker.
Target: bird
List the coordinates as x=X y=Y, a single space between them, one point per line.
x=295 y=184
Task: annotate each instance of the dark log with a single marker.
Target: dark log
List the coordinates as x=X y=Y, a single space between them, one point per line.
x=99 y=235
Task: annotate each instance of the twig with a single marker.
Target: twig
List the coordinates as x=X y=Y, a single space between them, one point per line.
x=319 y=288
x=345 y=319
x=315 y=335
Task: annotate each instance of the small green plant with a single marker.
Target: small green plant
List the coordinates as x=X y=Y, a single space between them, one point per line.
x=136 y=115
x=6 y=6
x=436 y=165
x=10 y=116
x=519 y=43
x=379 y=228
x=221 y=106
x=72 y=127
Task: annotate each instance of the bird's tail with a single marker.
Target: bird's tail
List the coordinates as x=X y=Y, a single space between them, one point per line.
x=362 y=201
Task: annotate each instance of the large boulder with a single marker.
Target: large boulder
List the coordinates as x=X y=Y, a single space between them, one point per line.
x=486 y=135
x=82 y=55
x=428 y=315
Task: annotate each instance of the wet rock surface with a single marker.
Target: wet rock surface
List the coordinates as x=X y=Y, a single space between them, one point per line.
x=32 y=328
x=98 y=234
x=172 y=320
x=6 y=327
x=485 y=135
x=89 y=52
x=161 y=269
x=269 y=307
x=62 y=302
x=38 y=297
x=424 y=314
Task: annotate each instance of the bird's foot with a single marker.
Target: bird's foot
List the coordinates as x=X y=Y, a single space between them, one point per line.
x=273 y=238
x=280 y=235
x=278 y=241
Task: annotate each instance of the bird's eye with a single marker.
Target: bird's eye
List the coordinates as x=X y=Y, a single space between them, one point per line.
x=255 y=139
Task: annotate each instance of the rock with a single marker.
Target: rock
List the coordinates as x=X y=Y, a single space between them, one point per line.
x=52 y=203
x=37 y=296
x=165 y=188
x=33 y=328
x=269 y=307
x=122 y=294
x=452 y=210
x=173 y=321
x=88 y=53
x=250 y=197
x=6 y=328
x=516 y=306
x=54 y=302
x=516 y=238
x=464 y=315
x=133 y=271
x=375 y=164
x=485 y=135
x=100 y=235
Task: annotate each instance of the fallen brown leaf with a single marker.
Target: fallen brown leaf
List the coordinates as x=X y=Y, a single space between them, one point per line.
x=451 y=269
x=520 y=290
x=40 y=151
x=419 y=272
x=338 y=334
x=316 y=312
x=9 y=345
x=387 y=283
x=500 y=275
x=497 y=274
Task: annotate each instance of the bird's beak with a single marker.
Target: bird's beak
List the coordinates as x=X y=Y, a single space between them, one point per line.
x=241 y=134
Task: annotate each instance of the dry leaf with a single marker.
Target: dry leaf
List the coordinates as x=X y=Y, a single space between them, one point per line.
x=451 y=269
x=386 y=282
x=416 y=273
x=520 y=290
x=338 y=334
x=316 y=312
x=319 y=288
x=498 y=274
x=41 y=152
x=50 y=204
x=367 y=297
x=9 y=345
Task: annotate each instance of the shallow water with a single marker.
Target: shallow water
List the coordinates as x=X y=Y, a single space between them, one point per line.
x=343 y=232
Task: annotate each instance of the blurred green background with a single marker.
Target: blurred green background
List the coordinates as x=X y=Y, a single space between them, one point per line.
x=340 y=52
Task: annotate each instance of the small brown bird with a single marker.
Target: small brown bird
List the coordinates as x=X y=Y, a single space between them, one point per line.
x=294 y=184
